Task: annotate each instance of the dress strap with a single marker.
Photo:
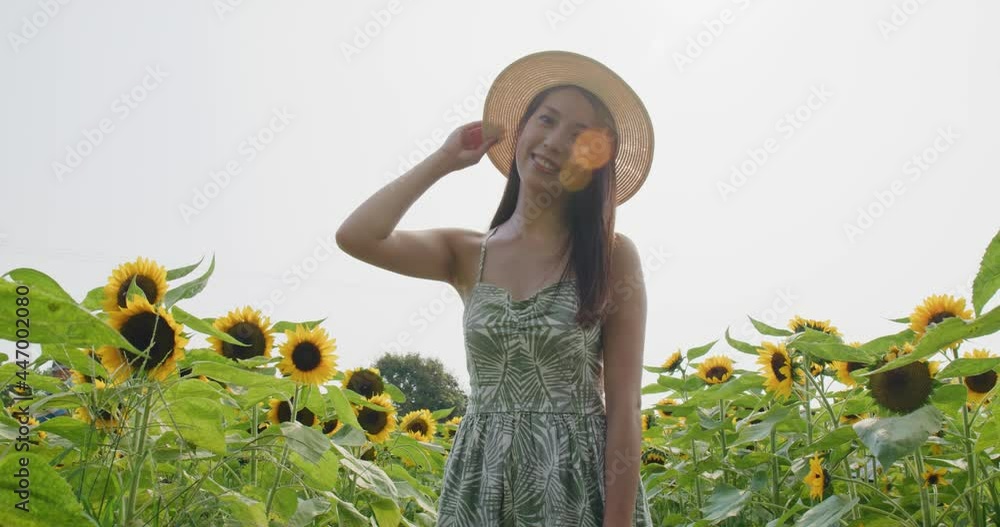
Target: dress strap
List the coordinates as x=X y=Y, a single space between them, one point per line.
x=482 y=254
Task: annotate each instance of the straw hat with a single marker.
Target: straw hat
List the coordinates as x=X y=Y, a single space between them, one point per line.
x=519 y=82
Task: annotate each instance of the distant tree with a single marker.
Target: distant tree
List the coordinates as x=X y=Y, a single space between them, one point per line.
x=424 y=381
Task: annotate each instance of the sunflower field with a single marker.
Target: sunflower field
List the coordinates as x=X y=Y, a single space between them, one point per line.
x=135 y=426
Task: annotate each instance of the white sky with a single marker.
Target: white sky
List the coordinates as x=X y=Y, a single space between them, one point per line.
x=894 y=82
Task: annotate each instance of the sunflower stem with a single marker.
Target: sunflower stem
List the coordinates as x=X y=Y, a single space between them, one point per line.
x=139 y=446
x=284 y=452
x=253 y=454
x=775 y=474
x=722 y=437
x=970 y=457
x=697 y=473
x=925 y=506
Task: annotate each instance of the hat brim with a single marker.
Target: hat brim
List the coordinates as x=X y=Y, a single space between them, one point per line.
x=519 y=82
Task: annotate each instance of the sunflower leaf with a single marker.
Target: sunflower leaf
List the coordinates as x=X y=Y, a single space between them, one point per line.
x=765 y=329
x=877 y=347
x=39 y=281
x=189 y=289
x=740 y=345
x=759 y=431
x=725 y=502
x=944 y=333
x=394 y=392
x=340 y=403
x=305 y=441
x=198 y=420
x=694 y=353
x=64 y=322
x=134 y=291
x=968 y=367
x=442 y=413
x=987 y=281
x=284 y=325
x=94 y=299
x=903 y=320
x=75 y=359
x=181 y=272
x=369 y=475
x=53 y=500
x=951 y=397
x=828 y=513
x=834 y=351
x=890 y=438
x=201 y=326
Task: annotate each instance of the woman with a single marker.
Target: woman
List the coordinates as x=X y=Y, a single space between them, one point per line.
x=555 y=304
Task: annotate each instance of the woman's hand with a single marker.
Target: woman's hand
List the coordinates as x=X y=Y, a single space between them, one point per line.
x=466 y=146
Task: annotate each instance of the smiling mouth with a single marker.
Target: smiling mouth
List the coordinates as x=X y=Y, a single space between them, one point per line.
x=544 y=165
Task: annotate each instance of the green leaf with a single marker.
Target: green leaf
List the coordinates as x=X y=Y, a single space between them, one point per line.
x=725 y=502
x=828 y=513
x=740 y=345
x=55 y=320
x=877 y=347
x=370 y=476
x=75 y=360
x=942 y=334
x=189 y=289
x=345 y=413
x=199 y=325
x=244 y=510
x=181 y=272
x=765 y=329
x=694 y=353
x=987 y=281
x=39 y=281
x=442 y=413
x=834 y=351
x=73 y=430
x=321 y=474
x=950 y=396
x=759 y=431
x=967 y=367
x=386 y=512
x=198 y=420
x=94 y=299
x=890 y=438
x=395 y=393
x=52 y=501
x=305 y=441
x=307 y=511
x=283 y=326
x=839 y=436
x=134 y=291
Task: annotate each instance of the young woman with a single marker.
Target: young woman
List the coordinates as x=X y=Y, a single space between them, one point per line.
x=555 y=305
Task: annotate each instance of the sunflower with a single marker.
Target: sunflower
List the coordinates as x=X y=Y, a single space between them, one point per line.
x=935 y=309
x=935 y=477
x=81 y=378
x=777 y=368
x=818 y=479
x=248 y=326
x=369 y=454
x=716 y=370
x=281 y=412
x=105 y=420
x=308 y=355
x=377 y=423
x=666 y=402
x=979 y=386
x=149 y=276
x=799 y=325
x=147 y=328
x=419 y=424
x=903 y=389
x=653 y=455
x=648 y=421
x=673 y=362
x=844 y=369
x=366 y=382
x=457 y=420
x=898 y=351
x=850 y=419
x=332 y=426
x=32 y=423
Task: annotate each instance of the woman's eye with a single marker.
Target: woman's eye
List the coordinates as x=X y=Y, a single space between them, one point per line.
x=545 y=118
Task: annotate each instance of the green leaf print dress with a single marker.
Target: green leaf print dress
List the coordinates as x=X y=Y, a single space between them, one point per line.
x=529 y=451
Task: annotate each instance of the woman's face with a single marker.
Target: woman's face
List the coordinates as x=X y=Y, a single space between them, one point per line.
x=546 y=143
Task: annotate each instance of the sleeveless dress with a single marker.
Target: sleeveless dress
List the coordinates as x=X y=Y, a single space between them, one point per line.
x=530 y=449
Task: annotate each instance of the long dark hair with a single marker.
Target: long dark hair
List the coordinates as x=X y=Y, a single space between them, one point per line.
x=590 y=217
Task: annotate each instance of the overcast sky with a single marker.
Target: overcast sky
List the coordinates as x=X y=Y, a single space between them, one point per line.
x=833 y=160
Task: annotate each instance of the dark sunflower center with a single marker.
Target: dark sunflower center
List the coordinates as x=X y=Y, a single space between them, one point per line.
x=983 y=382
x=304 y=416
x=144 y=329
x=329 y=426
x=306 y=356
x=932 y=479
x=937 y=318
x=247 y=333
x=418 y=426
x=366 y=383
x=777 y=363
x=851 y=366
x=716 y=372
x=826 y=479
x=903 y=389
x=104 y=414
x=373 y=421
x=145 y=283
